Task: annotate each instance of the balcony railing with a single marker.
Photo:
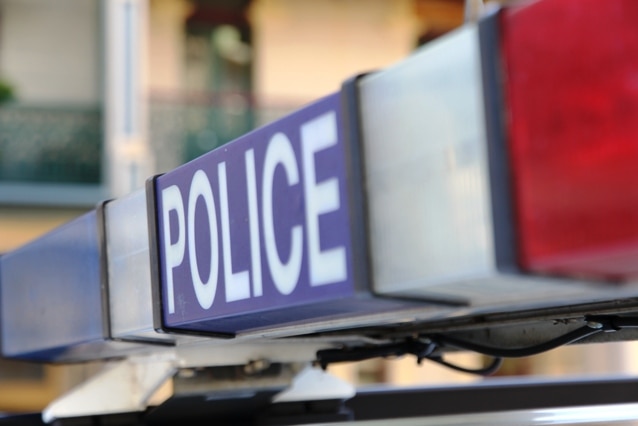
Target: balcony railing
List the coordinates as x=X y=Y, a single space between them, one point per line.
x=57 y=144
x=183 y=127
x=64 y=145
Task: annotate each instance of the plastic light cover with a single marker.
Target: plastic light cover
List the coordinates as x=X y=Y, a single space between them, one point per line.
x=426 y=170
x=51 y=293
x=129 y=271
x=571 y=82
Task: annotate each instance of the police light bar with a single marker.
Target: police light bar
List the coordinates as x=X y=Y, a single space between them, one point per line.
x=489 y=172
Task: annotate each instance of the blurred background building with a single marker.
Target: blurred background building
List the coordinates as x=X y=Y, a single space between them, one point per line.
x=98 y=95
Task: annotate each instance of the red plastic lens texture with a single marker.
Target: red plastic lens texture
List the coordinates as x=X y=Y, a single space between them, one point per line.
x=571 y=83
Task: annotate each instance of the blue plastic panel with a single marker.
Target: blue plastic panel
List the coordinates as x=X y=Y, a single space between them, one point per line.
x=241 y=228
x=51 y=293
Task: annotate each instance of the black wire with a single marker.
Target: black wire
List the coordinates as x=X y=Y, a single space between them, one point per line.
x=488 y=370
x=427 y=349
x=421 y=350
x=571 y=337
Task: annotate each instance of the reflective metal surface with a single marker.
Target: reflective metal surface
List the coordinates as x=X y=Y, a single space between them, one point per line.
x=621 y=414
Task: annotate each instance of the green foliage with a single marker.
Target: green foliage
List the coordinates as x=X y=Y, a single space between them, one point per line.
x=6 y=92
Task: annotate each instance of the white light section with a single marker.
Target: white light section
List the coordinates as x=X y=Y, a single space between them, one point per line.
x=129 y=270
x=426 y=168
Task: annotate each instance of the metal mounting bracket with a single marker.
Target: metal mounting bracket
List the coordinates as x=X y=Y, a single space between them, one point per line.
x=120 y=387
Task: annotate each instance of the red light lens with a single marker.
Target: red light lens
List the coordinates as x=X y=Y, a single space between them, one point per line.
x=571 y=82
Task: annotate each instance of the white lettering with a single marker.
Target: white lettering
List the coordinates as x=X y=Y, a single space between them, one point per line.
x=253 y=222
x=172 y=200
x=282 y=173
x=204 y=290
x=284 y=274
x=328 y=266
x=237 y=284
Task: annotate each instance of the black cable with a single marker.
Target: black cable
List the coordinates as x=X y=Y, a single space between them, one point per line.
x=422 y=350
x=430 y=346
x=571 y=337
x=488 y=370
